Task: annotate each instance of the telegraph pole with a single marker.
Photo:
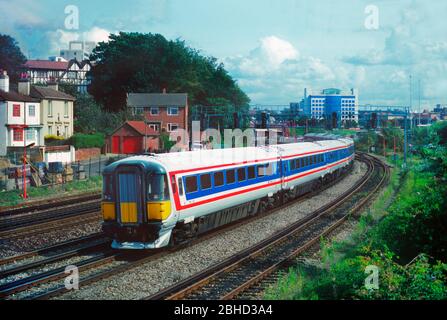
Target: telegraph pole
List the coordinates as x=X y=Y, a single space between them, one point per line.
x=411 y=99
x=419 y=93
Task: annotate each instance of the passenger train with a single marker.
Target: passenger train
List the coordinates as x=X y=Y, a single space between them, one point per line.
x=151 y=202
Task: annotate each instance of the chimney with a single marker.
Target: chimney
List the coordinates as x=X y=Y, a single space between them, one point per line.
x=53 y=85
x=24 y=86
x=4 y=81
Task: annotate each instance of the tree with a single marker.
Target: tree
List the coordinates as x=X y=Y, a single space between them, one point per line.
x=11 y=57
x=91 y=118
x=135 y=62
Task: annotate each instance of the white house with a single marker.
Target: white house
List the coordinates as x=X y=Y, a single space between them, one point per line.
x=20 y=114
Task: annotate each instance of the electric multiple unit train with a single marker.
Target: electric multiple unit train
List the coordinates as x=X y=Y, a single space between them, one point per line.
x=150 y=202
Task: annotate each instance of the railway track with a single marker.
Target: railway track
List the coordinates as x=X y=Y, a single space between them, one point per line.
x=17 y=264
x=73 y=220
x=47 y=204
x=241 y=273
x=11 y=223
x=113 y=263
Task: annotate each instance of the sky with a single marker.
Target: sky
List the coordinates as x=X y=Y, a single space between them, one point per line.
x=273 y=48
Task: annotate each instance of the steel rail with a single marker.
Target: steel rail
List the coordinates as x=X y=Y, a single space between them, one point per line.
x=157 y=255
x=47 y=204
x=198 y=281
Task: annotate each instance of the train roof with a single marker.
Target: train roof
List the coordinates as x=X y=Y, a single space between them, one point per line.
x=210 y=158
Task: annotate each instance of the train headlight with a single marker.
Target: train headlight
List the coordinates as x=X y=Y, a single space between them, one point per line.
x=108 y=211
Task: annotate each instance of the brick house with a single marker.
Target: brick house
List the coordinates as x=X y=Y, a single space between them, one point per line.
x=130 y=138
x=162 y=111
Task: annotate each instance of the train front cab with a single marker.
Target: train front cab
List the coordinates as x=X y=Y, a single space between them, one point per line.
x=135 y=204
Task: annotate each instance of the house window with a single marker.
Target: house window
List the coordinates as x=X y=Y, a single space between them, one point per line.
x=66 y=109
x=139 y=110
x=50 y=130
x=66 y=131
x=32 y=111
x=155 y=127
x=18 y=134
x=30 y=135
x=155 y=111
x=172 y=127
x=50 y=108
x=16 y=110
x=173 y=111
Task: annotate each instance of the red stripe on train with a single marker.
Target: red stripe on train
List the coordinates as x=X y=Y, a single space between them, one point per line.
x=192 y=205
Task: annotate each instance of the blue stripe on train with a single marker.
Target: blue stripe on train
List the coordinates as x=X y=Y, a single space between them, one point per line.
x=329 y=158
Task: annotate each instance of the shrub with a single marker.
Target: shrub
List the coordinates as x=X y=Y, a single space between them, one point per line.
x=85 y=141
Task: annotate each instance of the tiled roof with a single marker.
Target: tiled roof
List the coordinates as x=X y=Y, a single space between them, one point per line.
x=14 y=96
x=47 y=65
x=157 y=99
x=139 y=126
x=47 y=93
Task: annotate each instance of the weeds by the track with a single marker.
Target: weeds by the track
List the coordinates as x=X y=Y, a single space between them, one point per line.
x=14 y=197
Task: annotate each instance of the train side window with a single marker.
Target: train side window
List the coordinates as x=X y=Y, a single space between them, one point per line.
x=298 y=163
x=292 y=165
x=241 y=175
x=261 y=170
x=180 y=186
x=270 y=169
x=191 y=184
x=251 y=173
x=205 y=181
x=231 y=177
x=218 y=179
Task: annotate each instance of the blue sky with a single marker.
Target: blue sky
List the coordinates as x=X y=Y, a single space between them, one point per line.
x=274 y=48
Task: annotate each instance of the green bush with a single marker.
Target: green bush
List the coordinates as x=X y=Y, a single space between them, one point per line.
x=85 y=141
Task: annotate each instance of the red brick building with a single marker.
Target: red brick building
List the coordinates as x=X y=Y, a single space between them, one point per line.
x=163 y=111
x=130 y=139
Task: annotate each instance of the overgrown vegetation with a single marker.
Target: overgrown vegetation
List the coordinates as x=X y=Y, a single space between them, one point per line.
x=14 y=197
x=85 y=141
x=136 y=62
x=406 y=240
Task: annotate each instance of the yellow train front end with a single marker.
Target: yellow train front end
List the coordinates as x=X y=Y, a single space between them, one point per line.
x=136 y=205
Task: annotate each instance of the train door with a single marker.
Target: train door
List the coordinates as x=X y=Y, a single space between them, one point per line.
x=129 y=196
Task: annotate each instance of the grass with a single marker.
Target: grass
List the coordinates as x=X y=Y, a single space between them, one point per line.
x=299 y=282
x=14 y=197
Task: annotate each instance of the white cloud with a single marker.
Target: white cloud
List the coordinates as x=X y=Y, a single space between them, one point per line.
x=276 y=72
x=271 y=53
x=97 y=35
x=60 y=38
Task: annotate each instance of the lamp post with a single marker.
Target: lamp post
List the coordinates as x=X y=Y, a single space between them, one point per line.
x=25 y=196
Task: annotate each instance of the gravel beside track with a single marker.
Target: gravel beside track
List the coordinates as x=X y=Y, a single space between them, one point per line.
x=26 y=244
x=153 y=276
